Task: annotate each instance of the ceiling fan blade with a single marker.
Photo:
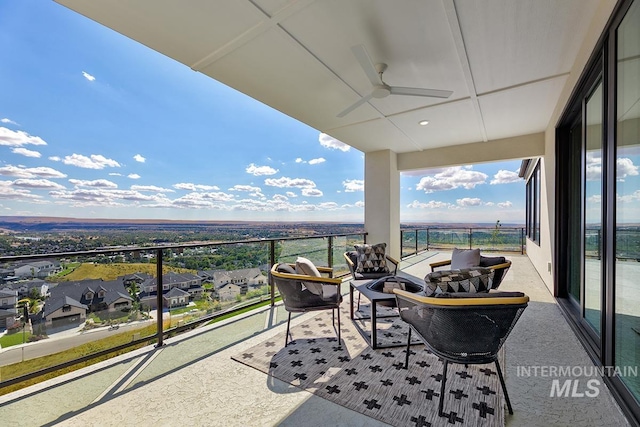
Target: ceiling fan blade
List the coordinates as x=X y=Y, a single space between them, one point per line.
x=414 y=91
x=355 y=105
x=361 y=54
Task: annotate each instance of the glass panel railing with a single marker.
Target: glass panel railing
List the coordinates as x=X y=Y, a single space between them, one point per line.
x=87 y=306
x=497 y=239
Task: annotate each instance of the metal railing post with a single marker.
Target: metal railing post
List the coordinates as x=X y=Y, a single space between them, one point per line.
x=330 y=252
x=159 y=304
x=416 y=241
x=427 y=239
x=272 y=258
x=470 y=233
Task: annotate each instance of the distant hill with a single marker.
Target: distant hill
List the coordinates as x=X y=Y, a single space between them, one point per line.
x=40 y=223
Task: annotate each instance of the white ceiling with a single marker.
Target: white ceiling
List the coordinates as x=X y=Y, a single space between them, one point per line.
x=506 y=61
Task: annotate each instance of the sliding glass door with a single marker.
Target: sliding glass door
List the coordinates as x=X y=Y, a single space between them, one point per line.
x=593 y=195
x=627 y=268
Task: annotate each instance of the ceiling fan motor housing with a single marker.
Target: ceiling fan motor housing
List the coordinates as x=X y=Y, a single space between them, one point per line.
x=381 y=91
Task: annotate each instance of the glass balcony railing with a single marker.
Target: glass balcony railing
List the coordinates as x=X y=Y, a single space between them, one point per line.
x=83 y=307
x=502 y=239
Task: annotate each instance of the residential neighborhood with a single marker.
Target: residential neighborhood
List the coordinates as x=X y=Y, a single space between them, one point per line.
x=64 y=305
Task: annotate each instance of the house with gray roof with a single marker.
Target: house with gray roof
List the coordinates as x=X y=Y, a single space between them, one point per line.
x=69 y=302
x=38 y=269
x=186 y=282
x=8 y=312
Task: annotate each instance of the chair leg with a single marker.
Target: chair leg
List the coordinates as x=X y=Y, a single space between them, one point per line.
x=359 y=301
x=339 y=341
x=406 y=359
x=444 y=380
x=504 y=388
x=286 y=337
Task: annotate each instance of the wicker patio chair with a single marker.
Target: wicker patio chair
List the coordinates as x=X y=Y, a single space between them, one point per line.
x=462 y=328
x=499 y=265
x=302 y=293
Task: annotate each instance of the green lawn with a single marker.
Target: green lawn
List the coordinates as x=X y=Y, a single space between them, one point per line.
x=13 y=339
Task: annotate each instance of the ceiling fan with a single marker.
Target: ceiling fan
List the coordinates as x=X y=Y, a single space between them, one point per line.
x=380 y=88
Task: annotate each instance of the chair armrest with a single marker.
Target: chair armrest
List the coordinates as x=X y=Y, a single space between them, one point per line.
x=305 y=278
x=326 y=270
x=497 y=298
x=499 y=266
x=395 y=263
x=438 y=264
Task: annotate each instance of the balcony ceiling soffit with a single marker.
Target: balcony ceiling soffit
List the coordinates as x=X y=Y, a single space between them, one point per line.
x=504 y=60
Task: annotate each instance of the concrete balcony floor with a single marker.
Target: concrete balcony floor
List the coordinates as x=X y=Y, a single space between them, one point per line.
x=193 y=381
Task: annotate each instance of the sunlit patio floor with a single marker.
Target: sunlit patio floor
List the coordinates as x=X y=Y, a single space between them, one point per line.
x=193 y=381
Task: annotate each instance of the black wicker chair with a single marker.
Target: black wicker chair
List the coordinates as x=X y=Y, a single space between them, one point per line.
x=466 y=328
x=295 y=290
x=499 y=265
x=352 y=261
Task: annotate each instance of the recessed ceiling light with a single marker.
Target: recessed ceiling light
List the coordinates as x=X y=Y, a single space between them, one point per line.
x=423 y=122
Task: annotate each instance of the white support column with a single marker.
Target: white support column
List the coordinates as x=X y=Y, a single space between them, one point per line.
x=382 y=200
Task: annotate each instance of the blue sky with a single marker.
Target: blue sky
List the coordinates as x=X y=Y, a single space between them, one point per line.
x=94 y=125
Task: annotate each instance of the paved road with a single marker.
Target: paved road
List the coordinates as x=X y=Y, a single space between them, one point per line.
x=62 y=342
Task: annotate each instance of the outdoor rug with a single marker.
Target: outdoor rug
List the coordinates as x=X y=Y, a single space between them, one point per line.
x=373 y=382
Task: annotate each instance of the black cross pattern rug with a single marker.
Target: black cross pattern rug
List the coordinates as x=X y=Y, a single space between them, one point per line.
x=373 y=382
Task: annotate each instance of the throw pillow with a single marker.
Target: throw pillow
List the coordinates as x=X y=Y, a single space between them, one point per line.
x=372 y=258
x=469 y=280
x=465 y=258
x=306 y=267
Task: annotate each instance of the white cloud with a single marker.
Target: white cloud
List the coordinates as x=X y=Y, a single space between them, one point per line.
x=254 y=191
x=351 y=185
x=101 y=196
x=115 y=174
x=359 y=204
x=133 y=176
x=8 y=192
x=280 y=198
x=432 y=204
x=40 y=184
x=317 y=161
x=88 y=76
x=25 y=152
x=139 y=158
x=506 y=204
x=451 y=178
x=332 y=143
x=299 y=160
x=311 y=192
x=195 y=187
x=505 y=177
x=289 y=182
x=468 y=201
x=55 y=158
x=593 y=166
x=291 y=194
x=98 y=183
x=95 y=161
x=151 y=188
x=8 y=121
x=260 y=170
x=38 y=172
x=18 y=138
x=330 y=206
x=625 y=167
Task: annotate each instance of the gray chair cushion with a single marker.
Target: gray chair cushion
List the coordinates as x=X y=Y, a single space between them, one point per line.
x=465 y=258
x=306 y=267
